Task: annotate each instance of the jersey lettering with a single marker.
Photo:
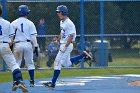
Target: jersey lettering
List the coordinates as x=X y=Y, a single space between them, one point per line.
x=63 y=34
x=0 y=30
x=22 y=28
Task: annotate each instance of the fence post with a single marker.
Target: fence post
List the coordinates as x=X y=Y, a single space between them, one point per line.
x=102 y=32
x=4 y=10
x=82 y=28
x=4 y=15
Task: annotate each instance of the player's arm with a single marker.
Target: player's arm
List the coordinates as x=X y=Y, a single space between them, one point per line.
x=12 y=37
x=69 y=40
x=33 y=34
x=34 y=40
x=71 y=31
x=35 y=44
x=63 y=49
x=12 y=33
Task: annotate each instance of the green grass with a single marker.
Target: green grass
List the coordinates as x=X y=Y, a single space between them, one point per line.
x=7 y=76
x=125 y=62
x=125 y=57
x=121 y=57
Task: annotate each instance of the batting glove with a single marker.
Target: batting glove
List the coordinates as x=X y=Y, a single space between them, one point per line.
x=36 y=51
x=63 y=49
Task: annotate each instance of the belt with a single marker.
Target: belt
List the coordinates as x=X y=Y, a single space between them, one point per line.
x=23 y=41
x=3 y=42
x=65 y=43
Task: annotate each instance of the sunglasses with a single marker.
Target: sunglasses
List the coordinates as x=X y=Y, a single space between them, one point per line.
x=58 y=11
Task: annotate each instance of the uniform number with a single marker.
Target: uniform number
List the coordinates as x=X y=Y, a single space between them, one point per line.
x=63 y=34
x=0 y=30
x=22 y=27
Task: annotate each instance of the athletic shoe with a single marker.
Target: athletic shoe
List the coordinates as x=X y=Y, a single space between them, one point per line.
x=49 y=84
x=15 y=86
x=87 y=55
x=22 y=87
x=32 y=83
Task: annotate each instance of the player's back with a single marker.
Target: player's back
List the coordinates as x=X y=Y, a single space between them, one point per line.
x=4 y=30
x=24 y=29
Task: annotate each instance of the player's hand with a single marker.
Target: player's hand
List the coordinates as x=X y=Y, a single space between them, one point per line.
x=36 y=51
x=63 y=49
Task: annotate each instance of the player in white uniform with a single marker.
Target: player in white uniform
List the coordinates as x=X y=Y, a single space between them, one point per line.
x=24 y=38
x=6 y=35
x=67 y=37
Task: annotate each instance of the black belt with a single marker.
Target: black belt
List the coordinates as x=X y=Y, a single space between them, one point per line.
x=28 y=40
x=4 y=42
x=22 y=41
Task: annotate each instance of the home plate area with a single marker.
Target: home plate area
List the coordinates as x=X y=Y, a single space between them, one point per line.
x=87 y=84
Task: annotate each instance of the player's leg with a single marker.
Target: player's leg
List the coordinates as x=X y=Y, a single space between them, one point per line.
x=76 y=58
x=18 y=53
x=11 y=62
x=67 y=61
x=61 y=59
x=84 y=54
x=28 y=56
x=57 y=69
x=18 y=81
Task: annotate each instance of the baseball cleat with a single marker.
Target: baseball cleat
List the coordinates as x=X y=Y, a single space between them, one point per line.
x=49 y=84
x=87 y=55
x=15 y=86
x=32 y=83
x=22 y=87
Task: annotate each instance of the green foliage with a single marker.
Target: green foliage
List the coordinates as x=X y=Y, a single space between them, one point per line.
x=119 y=17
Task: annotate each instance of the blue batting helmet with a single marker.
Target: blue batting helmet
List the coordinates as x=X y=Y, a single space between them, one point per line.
x=23 y=10
x=63 y=9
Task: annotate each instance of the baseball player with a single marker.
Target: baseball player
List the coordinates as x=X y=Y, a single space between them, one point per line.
x=5 y=34
x=24 y=38
x=67 y=37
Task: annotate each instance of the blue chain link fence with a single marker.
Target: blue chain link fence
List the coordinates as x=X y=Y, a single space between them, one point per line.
x=108 y=30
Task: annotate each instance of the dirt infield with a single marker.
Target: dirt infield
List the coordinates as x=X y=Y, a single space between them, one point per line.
x=91 y=84
x=134 y=83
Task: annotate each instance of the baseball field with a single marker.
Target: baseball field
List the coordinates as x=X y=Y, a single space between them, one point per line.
x=78 y=81
x=6 y=76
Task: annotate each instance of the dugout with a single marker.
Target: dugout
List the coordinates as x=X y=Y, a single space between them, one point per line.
x=97 y=54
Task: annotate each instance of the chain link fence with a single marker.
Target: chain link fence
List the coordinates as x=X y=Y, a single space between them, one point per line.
x=121 y=30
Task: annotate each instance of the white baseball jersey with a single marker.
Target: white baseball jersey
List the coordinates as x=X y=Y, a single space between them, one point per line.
x=5 y=51
x=23 y=48
x=5 y=31
x=67 y=28
x=24 y=29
